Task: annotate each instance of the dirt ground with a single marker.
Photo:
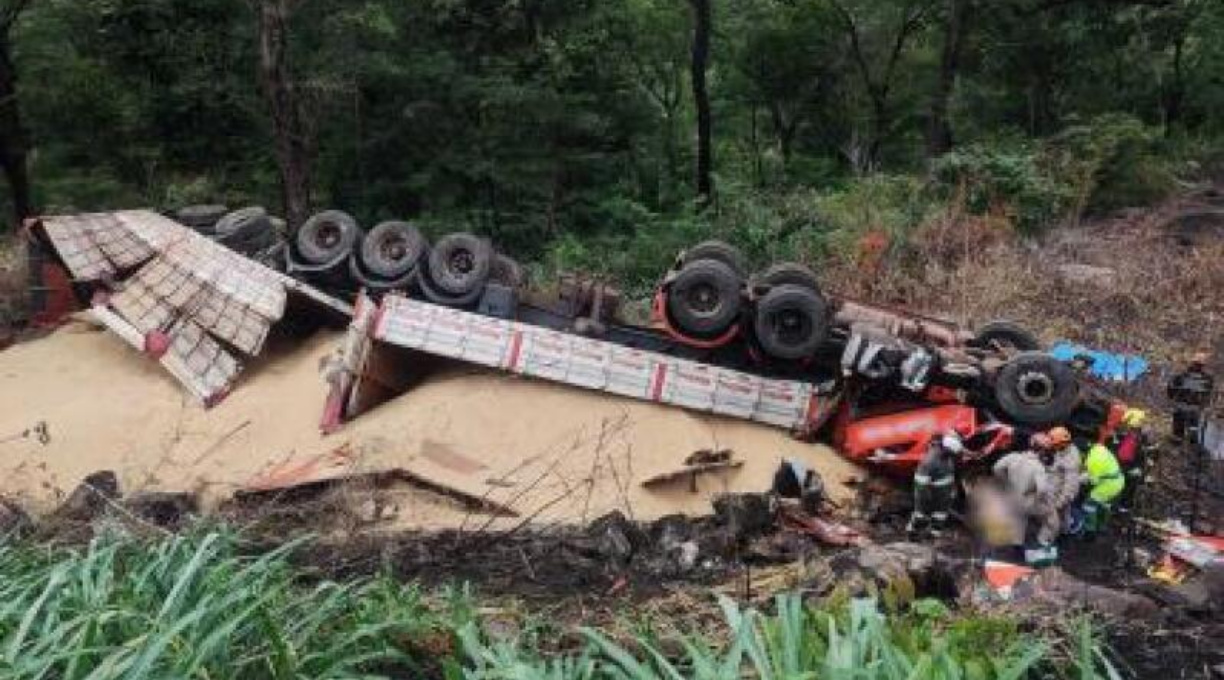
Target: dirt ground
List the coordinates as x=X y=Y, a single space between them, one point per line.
x=544 y=452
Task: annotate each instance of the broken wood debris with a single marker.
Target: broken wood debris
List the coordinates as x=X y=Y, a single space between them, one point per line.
x=190 y=303
x=696 y=463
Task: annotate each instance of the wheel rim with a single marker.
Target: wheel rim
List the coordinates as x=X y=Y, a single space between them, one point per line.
x=703 y=299
x=790 y=326
x=462 y=262
x=329 y=235
x=1035 y=388
x=394 y=248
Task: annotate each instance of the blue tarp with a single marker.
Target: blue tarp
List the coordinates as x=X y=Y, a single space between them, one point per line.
x=1105 y=365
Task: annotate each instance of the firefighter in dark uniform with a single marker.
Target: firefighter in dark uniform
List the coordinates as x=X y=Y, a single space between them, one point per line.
x=1191 y=392
x=935 y=486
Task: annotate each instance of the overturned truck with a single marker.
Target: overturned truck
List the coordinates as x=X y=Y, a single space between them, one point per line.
x=770 y=346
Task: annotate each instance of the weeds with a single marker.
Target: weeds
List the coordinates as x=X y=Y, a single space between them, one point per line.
x=192 y=607
x=196 y=607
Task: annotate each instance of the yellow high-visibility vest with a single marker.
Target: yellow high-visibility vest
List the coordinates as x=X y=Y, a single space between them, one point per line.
x=1101 y=465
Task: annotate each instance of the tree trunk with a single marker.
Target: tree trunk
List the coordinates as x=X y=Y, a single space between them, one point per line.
x=1175 y=91
x=701 y=98
x=881 y=121
x=956 y=29
x=293 y=138
x=14 y=139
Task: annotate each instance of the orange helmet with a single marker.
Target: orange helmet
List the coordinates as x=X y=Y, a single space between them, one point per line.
x=1059 y=436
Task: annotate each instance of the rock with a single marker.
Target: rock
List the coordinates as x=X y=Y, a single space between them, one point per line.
x=616 y=538
x=686 y=555
x=671 y=530
x=880 y=499
x=1054 y=589
x=746 y=514
x=1198 y=227
x=90 y=497
x=13 y=519
x=1087 y=275
x=165 y=509
x=783 y=546
x=1204 y=591
x=904 y=571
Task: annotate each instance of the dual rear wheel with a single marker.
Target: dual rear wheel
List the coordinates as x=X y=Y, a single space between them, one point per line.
x=708 y=298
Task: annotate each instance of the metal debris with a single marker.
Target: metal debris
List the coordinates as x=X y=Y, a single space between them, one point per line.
x=190 y=303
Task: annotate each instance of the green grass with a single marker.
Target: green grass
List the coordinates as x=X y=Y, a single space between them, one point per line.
x=191 y=607
x=196 y=606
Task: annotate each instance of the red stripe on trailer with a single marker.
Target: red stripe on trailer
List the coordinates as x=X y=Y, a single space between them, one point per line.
x=376 y=322
x=516 y=350
x=813 y=411
x=333 y=410
x=660 y=377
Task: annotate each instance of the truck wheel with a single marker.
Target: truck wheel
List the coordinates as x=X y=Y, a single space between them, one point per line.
x=791 y=322
x=792 y=273
x=246 y=225
x=506 y=271
x=704 y=299
x=202 y=218
x=720 y=251
x=440 y=297
x=459 y=263
x=1007 y=335
x=392 y=249
x=327 y=236
x=1036 y=389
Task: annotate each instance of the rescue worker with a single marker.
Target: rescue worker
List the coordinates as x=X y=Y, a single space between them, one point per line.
x=935 y=486
x=1025 y=481
x=1130 y=447
x=1064 y=468
x=1191 y=391
x=1105 y=481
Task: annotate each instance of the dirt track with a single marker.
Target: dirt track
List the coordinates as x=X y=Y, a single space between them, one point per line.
x=549 y=453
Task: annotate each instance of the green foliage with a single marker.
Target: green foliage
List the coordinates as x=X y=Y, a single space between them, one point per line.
x=1110 y=162
x=193 y=607
x=564 y=128
x=855 y=640
x=197 y=606
x=1008 y=178
x=1114 y=161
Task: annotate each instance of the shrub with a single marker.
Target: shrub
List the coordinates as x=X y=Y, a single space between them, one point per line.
x=1111 y=162
x=1007 y=179
x=1114 y=161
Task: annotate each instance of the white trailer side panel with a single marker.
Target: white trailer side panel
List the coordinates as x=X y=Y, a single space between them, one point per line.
x=598 y=365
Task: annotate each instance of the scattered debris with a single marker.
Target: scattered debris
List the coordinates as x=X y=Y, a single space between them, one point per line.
x=1102 y=364
x=167 y=509
x=616 y=538
x=746 y=514
x=825 y=531
x=700 y=462
x=794 y=479
x=38 y=432
x=901 y=571
x=14 y=520
x=90 y=497
x=180 y=297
